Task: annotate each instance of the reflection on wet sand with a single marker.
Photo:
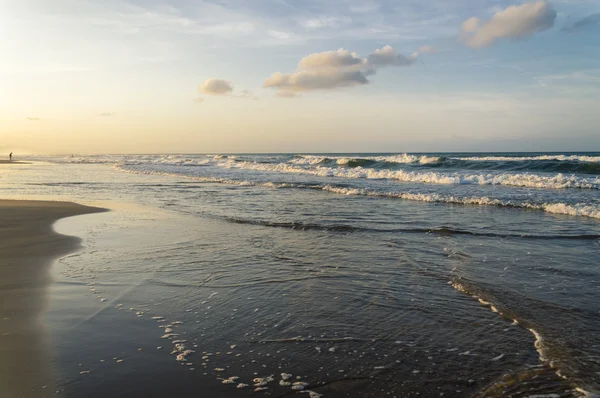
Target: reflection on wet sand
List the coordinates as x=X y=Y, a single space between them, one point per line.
x=27 y=247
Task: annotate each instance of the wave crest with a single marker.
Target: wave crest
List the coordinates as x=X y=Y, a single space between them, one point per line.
x=345 y=160
x=560 y=158
x=578 y=209
x=528 y=180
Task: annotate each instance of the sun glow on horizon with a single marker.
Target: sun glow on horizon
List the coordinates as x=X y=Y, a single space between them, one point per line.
x=183 y=76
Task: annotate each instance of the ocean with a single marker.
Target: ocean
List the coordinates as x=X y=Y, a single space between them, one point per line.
x=363 y=275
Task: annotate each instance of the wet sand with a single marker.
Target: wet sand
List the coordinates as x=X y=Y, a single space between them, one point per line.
x=28 y=245
x=12 y=162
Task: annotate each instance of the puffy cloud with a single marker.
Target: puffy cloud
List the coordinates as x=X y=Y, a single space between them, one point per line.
x=220 y=87
x=387 y=56
x=470 y=25
x=215 y=86
x=514 y=22
x=308 y=80
x=334 y=69
x=321 y=71
x=590 y=20
x=331 y=59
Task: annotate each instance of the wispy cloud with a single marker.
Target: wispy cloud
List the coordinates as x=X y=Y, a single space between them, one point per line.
x=587 y=77
x=143 y=29
x=279 y=34
x=514 y=22
x=106 y=114
x=325 y=22
x=32 y=118
x=582 y=23
x=246 y=94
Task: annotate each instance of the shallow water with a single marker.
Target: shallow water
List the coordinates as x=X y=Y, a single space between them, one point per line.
x=324 y=272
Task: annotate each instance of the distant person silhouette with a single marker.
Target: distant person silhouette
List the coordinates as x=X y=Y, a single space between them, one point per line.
x=10 y=157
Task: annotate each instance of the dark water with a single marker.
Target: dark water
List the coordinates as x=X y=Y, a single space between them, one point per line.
x=366 y=275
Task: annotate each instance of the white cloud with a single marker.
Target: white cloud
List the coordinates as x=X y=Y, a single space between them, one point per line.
x=223 y=88
x=514 y=22
x=215 y=86
x=321 y=71
x=331 y=59
x=334 y=69
x=470 y=25
x=307 y=80
x=387 y=56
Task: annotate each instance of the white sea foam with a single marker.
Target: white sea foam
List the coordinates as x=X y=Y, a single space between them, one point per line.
x=182 y=357
x=342 y=160
x=300 y=160
x=539 y=345
x=578 y=209
x=313 y=394
x=582 y=209
x=562 y=158
x=299 y=385
x=527 y=180
x=539 y=342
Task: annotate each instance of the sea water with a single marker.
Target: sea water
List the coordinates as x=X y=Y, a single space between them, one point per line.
x=424 y=274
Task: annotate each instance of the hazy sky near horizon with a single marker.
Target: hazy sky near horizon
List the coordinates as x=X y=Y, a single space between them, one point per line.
x=142 y=76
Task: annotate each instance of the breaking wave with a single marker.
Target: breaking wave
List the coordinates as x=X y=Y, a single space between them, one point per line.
x=561 y=158
x=546 y=163
x=528 y=180
x=368 y=160
x=577 y=209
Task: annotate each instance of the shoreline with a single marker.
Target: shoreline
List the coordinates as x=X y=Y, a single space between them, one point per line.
x=28 y=246
x=13 y=162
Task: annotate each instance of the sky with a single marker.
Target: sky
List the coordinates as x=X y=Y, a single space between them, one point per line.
x=207 y=76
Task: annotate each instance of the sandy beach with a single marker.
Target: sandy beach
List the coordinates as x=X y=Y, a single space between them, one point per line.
x=12 y=162
x=28 y=245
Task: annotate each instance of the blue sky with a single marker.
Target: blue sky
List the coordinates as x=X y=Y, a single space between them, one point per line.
x=270 y=75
